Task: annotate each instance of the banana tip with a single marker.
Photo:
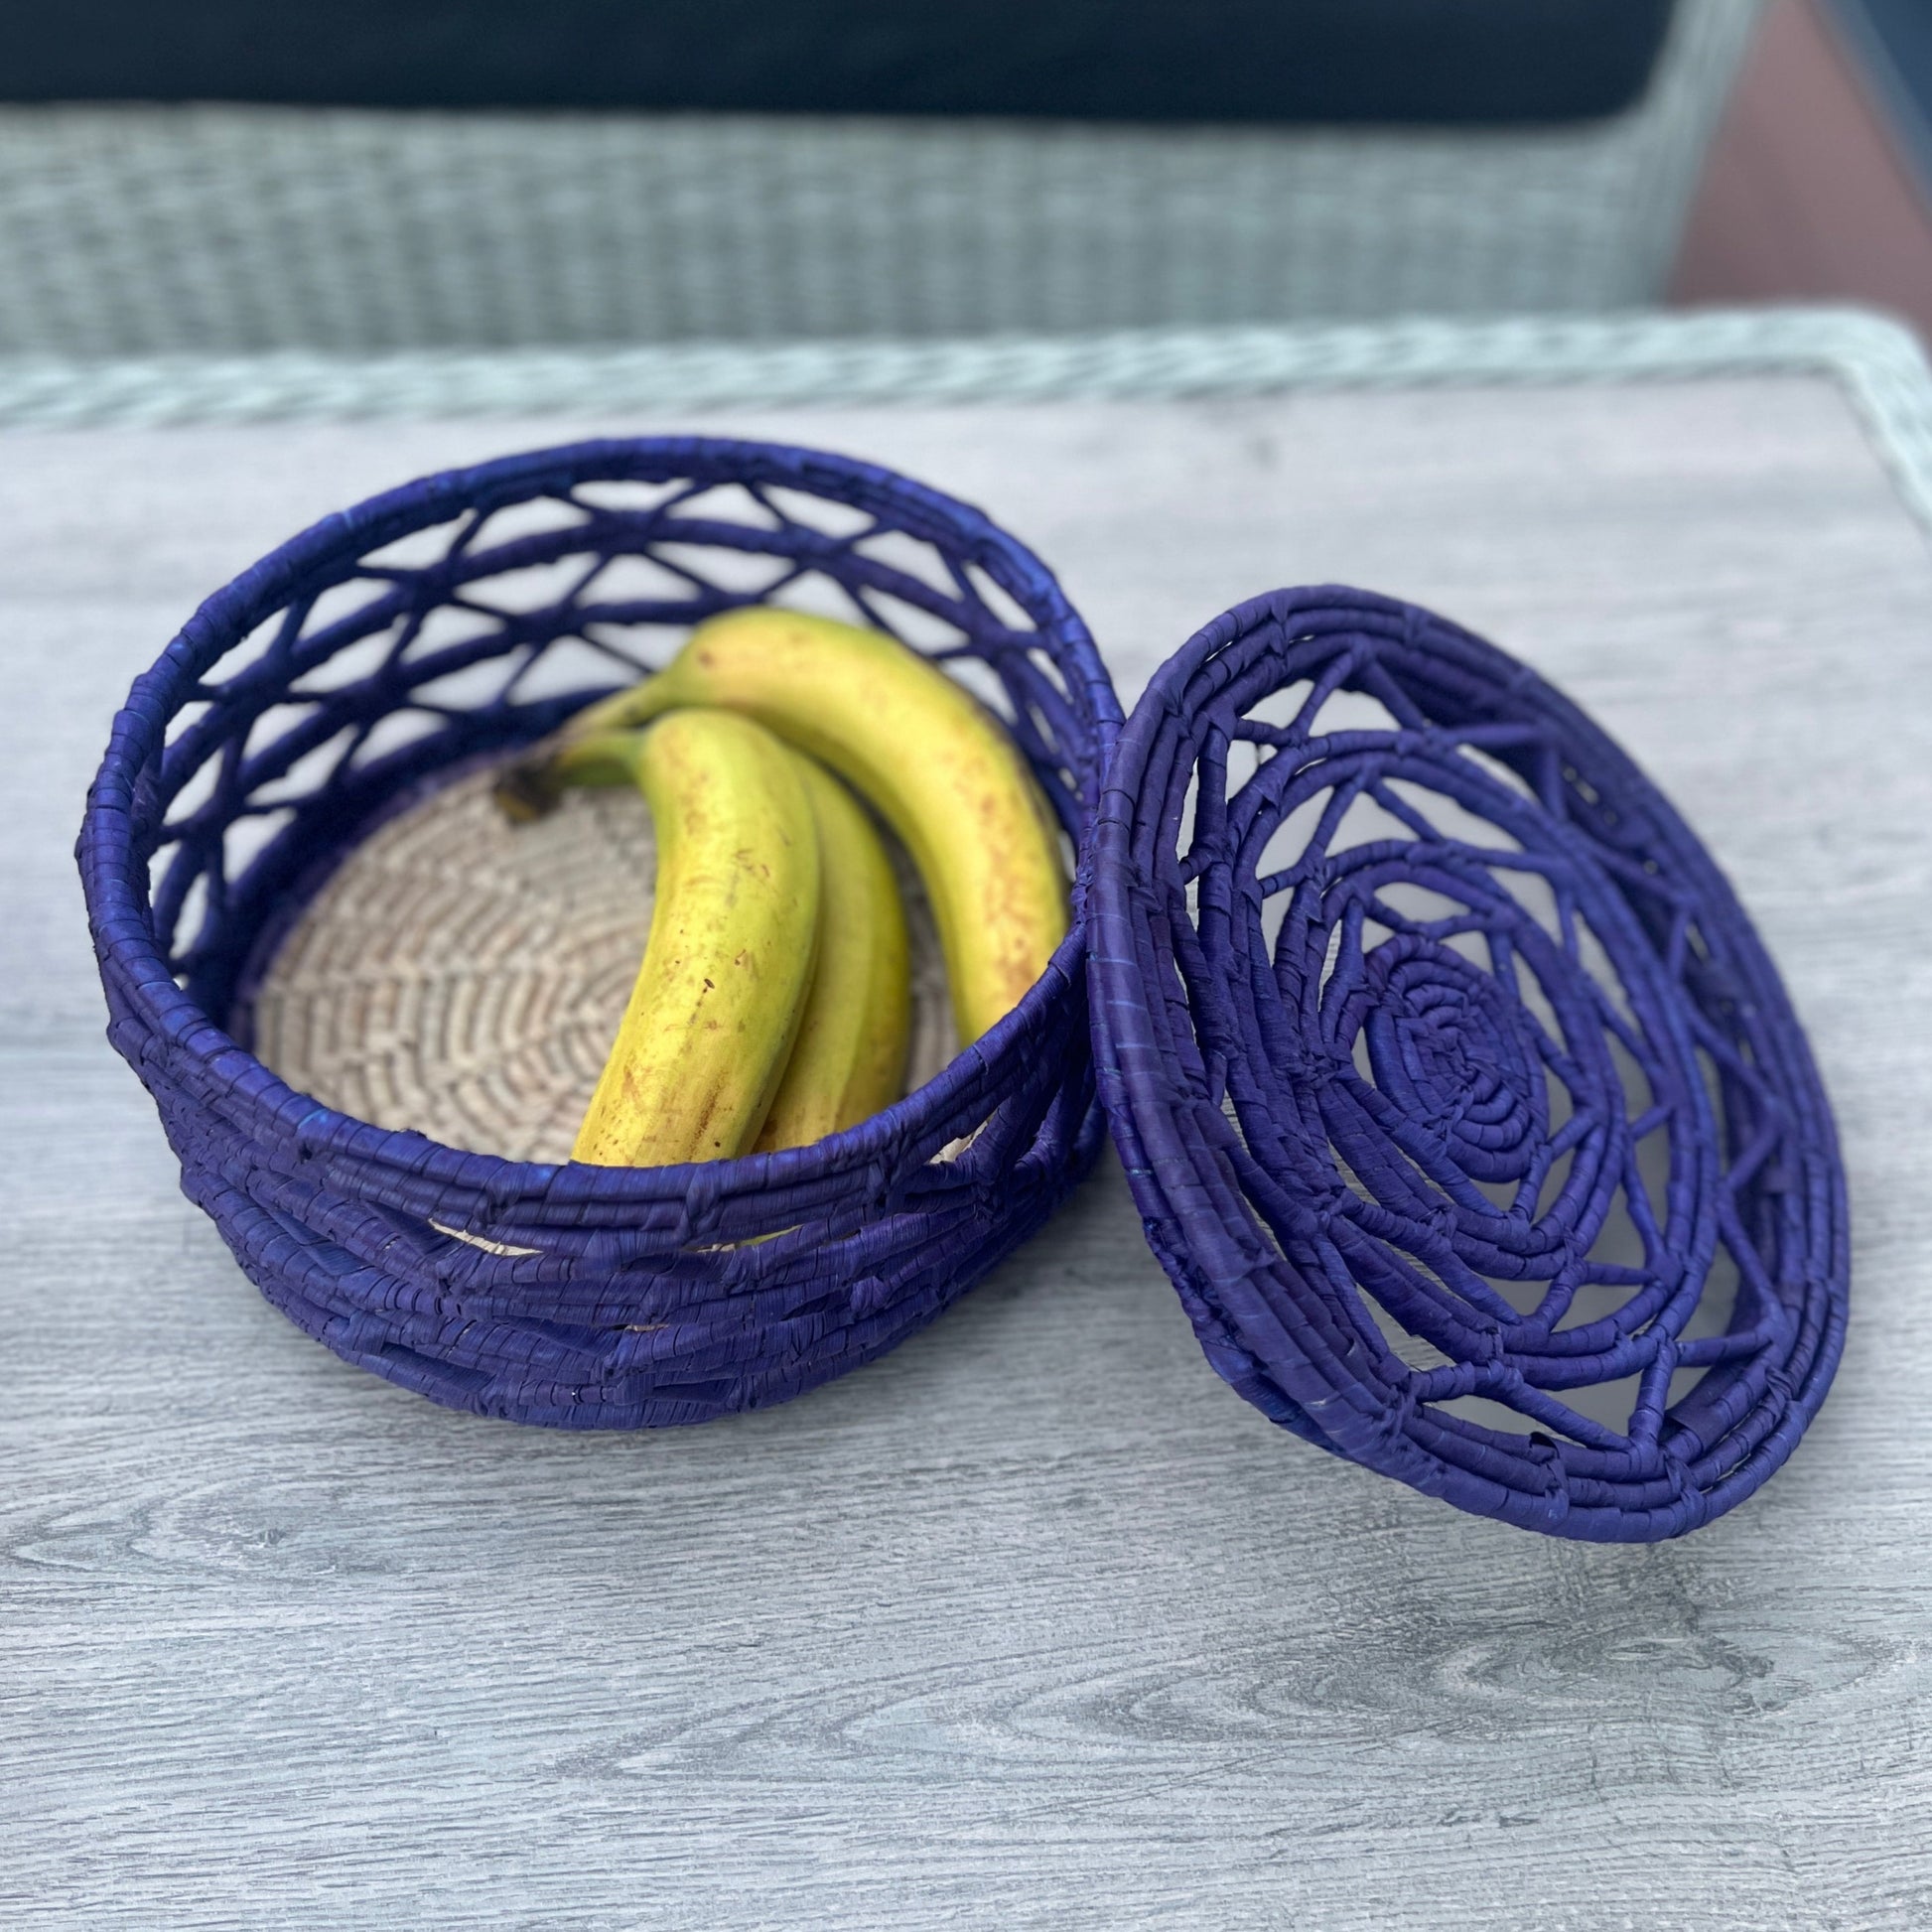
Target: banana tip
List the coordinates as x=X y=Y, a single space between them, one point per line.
x=526 y=791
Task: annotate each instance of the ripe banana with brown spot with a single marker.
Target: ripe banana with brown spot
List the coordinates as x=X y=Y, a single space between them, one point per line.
x=939 y=767
x=849 y=1060
x=733 y=935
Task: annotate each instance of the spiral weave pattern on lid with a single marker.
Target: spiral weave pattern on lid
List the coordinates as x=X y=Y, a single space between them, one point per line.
x=1461 y=1101
x=451 y=619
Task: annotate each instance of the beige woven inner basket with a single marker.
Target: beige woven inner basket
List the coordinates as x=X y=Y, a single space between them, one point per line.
x=465 y=977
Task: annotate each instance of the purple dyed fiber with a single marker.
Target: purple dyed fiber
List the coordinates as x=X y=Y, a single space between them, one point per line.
x=1448 y=1070
x=643 y=1304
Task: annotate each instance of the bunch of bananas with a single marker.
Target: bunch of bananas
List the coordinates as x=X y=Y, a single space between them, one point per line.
x=773 y=1005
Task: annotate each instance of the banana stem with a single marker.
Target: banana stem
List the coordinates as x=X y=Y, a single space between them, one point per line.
x=580 y=751
x=608 y=759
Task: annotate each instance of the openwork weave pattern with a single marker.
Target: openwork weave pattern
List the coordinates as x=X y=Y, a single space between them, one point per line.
x=438 y=625
x=1459 y=1097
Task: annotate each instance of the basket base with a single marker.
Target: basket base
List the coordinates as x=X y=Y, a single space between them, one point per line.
x=465 y=977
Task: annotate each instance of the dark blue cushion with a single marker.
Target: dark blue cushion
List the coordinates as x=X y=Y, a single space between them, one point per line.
x=1414 y=60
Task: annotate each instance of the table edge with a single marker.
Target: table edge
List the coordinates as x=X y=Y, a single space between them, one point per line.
x=1879 y=363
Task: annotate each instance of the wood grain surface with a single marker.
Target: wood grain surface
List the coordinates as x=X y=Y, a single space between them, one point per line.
x=1033 y=1624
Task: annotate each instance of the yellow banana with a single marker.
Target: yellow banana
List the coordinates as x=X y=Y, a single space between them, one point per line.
x=849 y=1061
x=734 y=934
x=939 y=767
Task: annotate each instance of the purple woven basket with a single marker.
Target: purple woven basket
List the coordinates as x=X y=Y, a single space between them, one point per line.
x=453 y=619
x=1458 y=1097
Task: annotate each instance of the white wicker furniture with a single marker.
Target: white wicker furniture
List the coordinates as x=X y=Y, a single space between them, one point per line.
x=134 y=230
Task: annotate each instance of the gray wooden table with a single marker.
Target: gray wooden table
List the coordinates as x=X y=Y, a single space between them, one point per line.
x=1033 y=1624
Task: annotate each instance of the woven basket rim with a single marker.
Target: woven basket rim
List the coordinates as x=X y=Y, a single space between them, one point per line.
x=121 y=912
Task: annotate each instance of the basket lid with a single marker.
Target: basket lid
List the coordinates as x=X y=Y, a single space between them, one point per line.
x=1460 y=1100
